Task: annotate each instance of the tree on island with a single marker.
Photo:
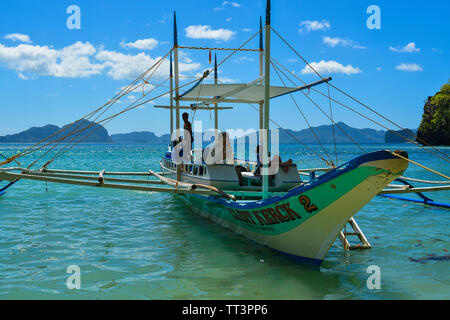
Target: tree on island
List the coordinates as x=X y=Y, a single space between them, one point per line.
x=435 y=125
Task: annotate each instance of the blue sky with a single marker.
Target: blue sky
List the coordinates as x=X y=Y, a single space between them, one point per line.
x=50 y=74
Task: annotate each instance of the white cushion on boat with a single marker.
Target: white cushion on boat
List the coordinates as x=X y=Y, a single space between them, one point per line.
x=247 y=174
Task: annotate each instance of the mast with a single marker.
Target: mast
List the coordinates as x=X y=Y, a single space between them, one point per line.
x=177 y=82
x=261 y=73
x=171 y=94
x=265 y=184
x=216 y=111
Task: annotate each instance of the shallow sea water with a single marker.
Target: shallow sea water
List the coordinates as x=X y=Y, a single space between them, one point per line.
x=136 y=245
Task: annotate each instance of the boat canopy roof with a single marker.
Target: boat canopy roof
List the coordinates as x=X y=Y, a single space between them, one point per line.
x=244 y=92
x=253 y=93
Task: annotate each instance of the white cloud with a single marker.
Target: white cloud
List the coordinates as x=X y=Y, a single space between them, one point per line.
x=410 y=47
x=205 y=32
x=231 y=3
x=18 y=37
x=69 y=62
x=246 y=29
x=228 y=19
x=333 y=42
x=313 y=25
x=436 y=50
x=244 y=59
x=228 y=80
x=292 y=60
x=227 y=3
x=331 y=67
x=81 y=60
x=126 y=66
x=141 y=44
x=379 y=69
x=409 y=67
x=22 y=76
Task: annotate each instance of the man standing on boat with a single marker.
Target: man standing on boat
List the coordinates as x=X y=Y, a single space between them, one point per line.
x=188 y=127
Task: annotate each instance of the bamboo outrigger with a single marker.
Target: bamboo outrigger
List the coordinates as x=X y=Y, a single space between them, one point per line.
x=278 y=209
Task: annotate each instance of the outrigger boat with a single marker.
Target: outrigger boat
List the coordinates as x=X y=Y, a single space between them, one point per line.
x=301 y=219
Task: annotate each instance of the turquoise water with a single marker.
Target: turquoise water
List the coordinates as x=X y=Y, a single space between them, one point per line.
x=135 y=245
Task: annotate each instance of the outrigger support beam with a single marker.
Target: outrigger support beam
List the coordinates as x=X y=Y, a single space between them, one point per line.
x=306 y=86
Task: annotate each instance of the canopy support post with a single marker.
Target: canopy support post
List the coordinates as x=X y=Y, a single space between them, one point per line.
x=265 y=143
x=261 y=73
x=177 y=82
x=171 y=95
x=216 y=110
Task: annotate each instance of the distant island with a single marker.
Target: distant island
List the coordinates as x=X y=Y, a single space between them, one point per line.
x=95 y=133
x=397 y=136
x=98 y=134
x=325 y=135
x=435 y=125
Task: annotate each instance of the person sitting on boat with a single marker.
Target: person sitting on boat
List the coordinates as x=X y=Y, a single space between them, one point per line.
x=175 y=143
x=221 y=152
x=276 y=159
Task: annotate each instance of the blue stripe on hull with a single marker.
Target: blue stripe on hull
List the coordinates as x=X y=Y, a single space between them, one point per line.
x=330 y=175
x=303 y=260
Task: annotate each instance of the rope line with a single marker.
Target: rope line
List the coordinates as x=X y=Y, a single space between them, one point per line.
x=290 y=134
x=304 y=117
x=367 y=107
x=69 y=146
x=420 y=165
x=362 y=115
x=112 y=100
x=84 y=121
x=332 y=124
x=116 y=97
x=130 y=107
x=318 y=107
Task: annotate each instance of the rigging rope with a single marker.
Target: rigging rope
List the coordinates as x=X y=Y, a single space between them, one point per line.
x=290 y=134
x=412 y=135
x=318 y=107
x=113 y=100
x=332 y=124
x=84 y=121
x=304 y=117
x=407 y=159
x=72 y=144
x=123 y=92
x=420 y=165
